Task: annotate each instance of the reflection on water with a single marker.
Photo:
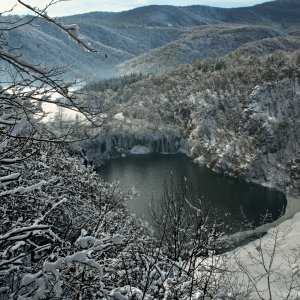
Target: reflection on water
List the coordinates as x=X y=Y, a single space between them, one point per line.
x=230 y=197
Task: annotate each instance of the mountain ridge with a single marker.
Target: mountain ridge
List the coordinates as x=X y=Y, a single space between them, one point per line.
x=199 y=43
x=123 y=36
x=257 y=13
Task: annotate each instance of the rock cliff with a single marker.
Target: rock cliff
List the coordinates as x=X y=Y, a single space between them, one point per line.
x=258 y=141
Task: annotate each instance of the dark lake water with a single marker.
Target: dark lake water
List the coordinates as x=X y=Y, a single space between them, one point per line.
x=232 y=199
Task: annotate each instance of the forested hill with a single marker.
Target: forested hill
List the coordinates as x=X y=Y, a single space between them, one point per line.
x=209 y=41
x=283 y=12
x=119 y=37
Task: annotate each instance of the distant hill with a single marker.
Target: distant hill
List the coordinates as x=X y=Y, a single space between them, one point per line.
x=123 y=36
x=202 y=42
x=283 y=12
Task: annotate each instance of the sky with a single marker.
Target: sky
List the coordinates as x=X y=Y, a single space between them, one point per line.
x=71 y=7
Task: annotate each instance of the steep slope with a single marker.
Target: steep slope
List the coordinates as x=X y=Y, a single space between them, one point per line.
x=240 y=115
x=42 y=43
x=127 y=37
x=166 y=16
x=46 y=45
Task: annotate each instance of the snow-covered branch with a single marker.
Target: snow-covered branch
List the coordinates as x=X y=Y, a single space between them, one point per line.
x=71 y=30
x=23 y=190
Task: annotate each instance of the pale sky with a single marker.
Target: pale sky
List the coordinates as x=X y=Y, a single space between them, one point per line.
x=71 y=7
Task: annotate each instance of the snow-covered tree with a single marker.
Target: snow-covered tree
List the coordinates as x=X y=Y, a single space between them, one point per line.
x=31 y=226
x=64 y=233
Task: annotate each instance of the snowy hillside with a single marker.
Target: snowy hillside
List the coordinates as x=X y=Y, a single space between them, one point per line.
x=238 y=115
x=119 y=37
x=207 y=41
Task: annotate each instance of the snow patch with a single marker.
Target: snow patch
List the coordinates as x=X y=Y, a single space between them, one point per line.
x=200 y=160
x=139 y=149
x=119 y=116
x=279 y=249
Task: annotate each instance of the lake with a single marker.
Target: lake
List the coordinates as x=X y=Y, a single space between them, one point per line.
x=232 y=199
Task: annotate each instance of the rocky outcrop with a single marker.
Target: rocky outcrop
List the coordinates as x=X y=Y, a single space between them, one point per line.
x=239 y=114
x=263 y=140
x=121 y=144
x=255 y=138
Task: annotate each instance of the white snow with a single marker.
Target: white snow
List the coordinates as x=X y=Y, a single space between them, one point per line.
x=99 y=245
x=4 y=119
x=73 y=31
x=10 y=177
x=52 y=109
x=23 y=190
x=199 y=160
x=274 y=257
x=17 y=234
x=119 y=116
x=139 y=149
x=117 y=239
x=29 y=278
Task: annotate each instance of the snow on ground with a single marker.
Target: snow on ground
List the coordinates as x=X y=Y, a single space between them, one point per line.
x=51 y=110
x=271 y=263
x=119 y=116
x=139 y=149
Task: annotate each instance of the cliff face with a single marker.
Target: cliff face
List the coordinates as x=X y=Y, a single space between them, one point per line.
x=254 y=137
x=239 y=114
x=258 y=140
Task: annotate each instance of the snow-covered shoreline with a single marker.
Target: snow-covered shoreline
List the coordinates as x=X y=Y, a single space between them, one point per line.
x=272 y=261
x=292 y=208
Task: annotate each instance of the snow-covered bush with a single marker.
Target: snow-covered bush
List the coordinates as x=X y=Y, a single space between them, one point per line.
x=39 y=227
